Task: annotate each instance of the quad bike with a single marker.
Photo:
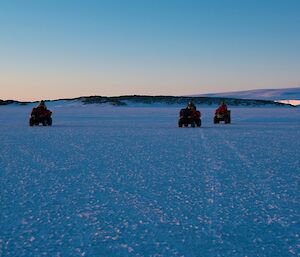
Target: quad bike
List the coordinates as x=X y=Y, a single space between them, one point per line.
x=40 y=117
x=225 y=116
x=189 y=117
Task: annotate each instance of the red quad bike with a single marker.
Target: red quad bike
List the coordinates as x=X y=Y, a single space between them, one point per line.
x=189 y=117
x=222 y=116
x=40 y=116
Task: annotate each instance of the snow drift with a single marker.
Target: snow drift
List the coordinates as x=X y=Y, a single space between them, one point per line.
x=285 y=95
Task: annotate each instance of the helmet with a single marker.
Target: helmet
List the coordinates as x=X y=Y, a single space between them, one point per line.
x=191 y=105
x=42 y=104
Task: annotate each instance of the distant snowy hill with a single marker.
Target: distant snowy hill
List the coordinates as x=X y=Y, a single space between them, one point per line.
x=286 y=95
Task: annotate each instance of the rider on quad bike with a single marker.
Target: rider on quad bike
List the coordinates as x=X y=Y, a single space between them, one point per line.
x=40 y=114
x=189 y=115
x=222 y=114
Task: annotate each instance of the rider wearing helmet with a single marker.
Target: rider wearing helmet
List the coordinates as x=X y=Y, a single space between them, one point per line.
x=222 y=108
x=190 y=115
x=191 y=106
x=42 y=105
x=41 y=109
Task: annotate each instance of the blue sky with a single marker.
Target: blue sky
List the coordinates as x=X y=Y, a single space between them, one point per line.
x=66 y=48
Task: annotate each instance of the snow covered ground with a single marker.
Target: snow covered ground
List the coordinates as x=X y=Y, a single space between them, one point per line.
x=108 y=181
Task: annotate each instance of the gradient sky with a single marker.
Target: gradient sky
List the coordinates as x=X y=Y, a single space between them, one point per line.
x=66 y=48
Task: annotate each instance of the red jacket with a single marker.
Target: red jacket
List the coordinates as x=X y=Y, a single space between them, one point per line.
x=41 y=111
x=185 y=113
x=222 y=109
x=195 y=114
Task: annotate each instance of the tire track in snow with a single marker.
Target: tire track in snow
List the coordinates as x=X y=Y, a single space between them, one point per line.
x=265 y=212
x=214 y=213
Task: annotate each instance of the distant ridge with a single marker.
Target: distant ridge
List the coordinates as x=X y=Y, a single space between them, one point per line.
x=7 y=102
x=143 y=100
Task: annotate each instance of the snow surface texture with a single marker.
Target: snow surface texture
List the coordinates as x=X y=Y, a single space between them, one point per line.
x=108 y=181
x=284 y=95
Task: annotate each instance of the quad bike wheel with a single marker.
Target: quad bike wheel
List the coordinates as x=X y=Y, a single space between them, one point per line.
x=198 y=123
x=227 y=119
x=31 y=122
x=180 y=123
